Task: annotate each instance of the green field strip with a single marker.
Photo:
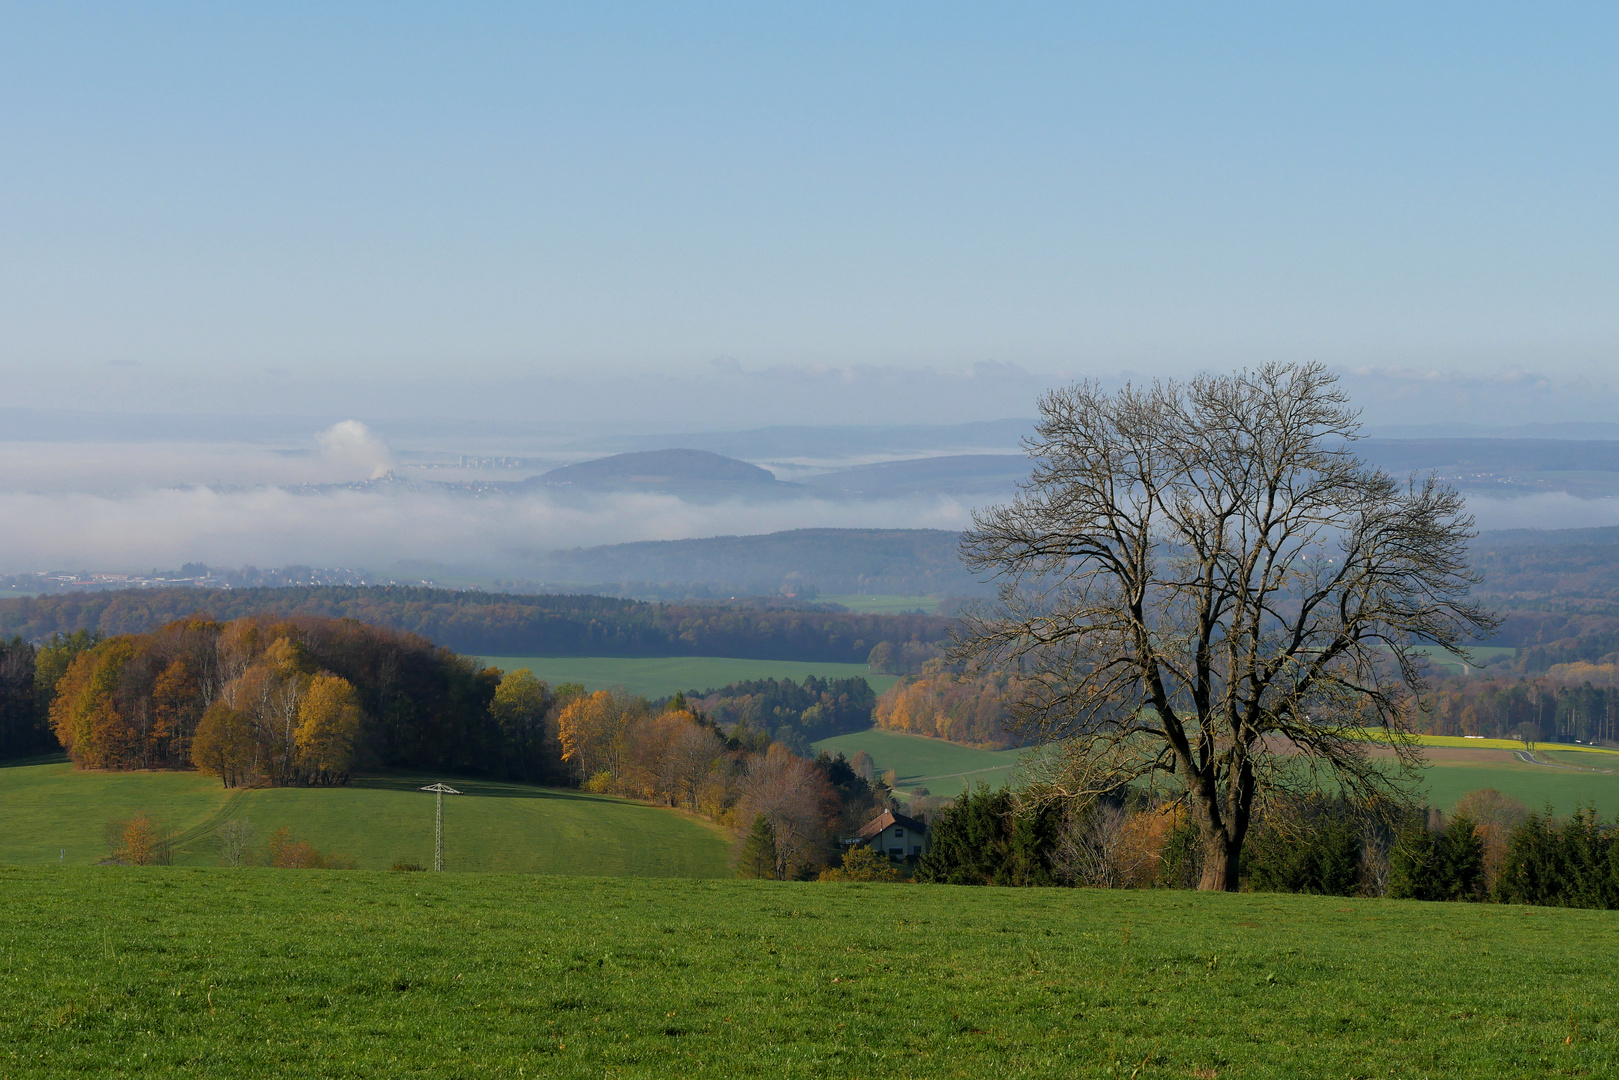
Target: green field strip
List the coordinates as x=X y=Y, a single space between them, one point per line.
x=885 y=604
x=662 y=676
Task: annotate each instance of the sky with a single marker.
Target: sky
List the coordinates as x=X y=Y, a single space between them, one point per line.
x=730 y=214
x=246 y=249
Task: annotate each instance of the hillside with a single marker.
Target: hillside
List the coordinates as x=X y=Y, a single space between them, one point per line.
x=308 y=973
x=379 y=820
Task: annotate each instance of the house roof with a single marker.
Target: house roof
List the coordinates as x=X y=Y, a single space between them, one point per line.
x=886 y=819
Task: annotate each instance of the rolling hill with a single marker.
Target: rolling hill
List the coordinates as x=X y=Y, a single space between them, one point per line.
x=56 y=814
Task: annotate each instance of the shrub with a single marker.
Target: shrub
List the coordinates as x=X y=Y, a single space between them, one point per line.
x=286 y=852
x=139 y=841
x=861 y=864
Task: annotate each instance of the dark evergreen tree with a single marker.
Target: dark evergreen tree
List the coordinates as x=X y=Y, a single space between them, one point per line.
x=1307 y=846
x=984 y=838
x=757 y=858
x=1531 y=872
x=1416 y=865
x=23 y=730
x=1463 y=861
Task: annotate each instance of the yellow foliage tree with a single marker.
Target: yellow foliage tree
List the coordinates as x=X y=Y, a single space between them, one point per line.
x=589 y=730
x=329 y=719
x=226 y=744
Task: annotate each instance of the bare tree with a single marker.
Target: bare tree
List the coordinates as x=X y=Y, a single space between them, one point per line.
x=1088 y=847
x=793 y=796
x=235 y=840
x=1202 y=581
x=690 y=756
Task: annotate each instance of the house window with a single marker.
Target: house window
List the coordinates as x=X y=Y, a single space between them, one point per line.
x=899 y=834
x=897 y=852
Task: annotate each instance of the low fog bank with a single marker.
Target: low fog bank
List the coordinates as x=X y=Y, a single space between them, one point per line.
x=1543 y=512
x=384 y=530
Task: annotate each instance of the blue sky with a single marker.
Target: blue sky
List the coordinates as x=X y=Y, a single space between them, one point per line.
x=242 y=206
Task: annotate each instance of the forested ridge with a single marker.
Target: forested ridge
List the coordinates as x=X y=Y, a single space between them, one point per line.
x=494 y=623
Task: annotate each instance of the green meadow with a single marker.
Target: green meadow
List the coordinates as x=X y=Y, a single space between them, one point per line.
x=944 y=768
x=205 y=973
x=884 y=604
x=1534 y=785
x=661 y=676
x=53 y=809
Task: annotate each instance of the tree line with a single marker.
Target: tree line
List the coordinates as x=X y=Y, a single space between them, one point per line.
x=494 y=623
x=793 y=714
x=1491 y=848
x=1572 y=702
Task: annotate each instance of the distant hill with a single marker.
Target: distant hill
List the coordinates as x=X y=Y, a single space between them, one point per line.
x=908 y=562
x=658 y=470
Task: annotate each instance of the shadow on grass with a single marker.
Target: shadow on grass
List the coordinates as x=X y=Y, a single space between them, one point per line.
x=58 y=758
x=484 y=789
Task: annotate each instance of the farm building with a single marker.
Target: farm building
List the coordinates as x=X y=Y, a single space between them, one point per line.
x=895 y=835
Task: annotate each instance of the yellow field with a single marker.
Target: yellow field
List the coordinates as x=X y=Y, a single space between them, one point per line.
x=1464 y=743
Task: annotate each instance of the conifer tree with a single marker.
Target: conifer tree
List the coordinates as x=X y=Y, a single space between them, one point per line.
x=758 y=856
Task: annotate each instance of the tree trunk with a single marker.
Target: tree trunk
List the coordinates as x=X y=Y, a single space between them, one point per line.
x=1219 y=864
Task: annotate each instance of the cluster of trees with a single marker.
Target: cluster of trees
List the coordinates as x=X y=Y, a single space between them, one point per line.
x=794 y=714
x=904 y=658
x=295 y=701
x=28 y=678
x=671 y=753
x=492 y=623
x=1574 y=701
x=944 y=705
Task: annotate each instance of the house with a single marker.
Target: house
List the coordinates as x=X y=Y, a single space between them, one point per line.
x=895 y=835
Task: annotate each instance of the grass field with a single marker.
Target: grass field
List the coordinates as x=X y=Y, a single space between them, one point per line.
x=206 y=973
x=943 y=768
x=885 y=605
x=378 y=820
x=661 y=676
x=1534 y=785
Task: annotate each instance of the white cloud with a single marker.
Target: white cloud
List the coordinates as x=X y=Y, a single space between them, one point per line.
x=350 y=447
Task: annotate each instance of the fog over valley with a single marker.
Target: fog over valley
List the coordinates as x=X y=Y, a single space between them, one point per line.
x=457 y=501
